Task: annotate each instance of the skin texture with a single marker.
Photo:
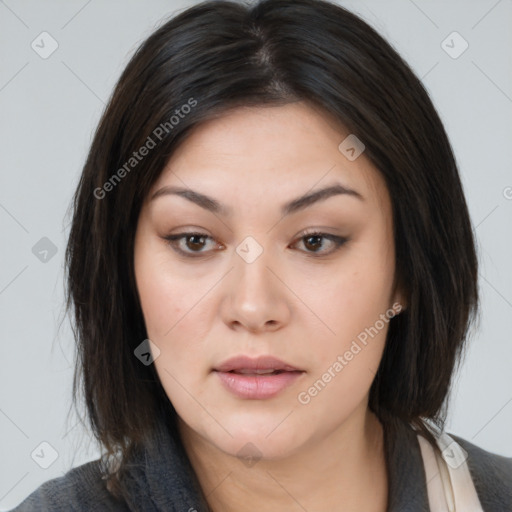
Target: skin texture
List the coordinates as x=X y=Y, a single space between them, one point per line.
x=300 y=300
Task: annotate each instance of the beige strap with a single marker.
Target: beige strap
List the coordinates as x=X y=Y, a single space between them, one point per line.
x=449 y=483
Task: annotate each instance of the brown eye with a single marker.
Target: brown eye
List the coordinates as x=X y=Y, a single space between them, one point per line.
x=193 y=243
x=314 y=242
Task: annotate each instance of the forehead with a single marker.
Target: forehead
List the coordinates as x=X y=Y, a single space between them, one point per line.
x=291 y=148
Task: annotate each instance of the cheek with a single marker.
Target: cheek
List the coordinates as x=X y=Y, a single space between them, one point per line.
x=175 y=309
x=168 y=307
x=349 y=353
x=352 y=301
x=161 y=309
x=165 y=295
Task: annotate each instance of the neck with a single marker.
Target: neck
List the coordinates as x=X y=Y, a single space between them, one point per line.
x=345 y=471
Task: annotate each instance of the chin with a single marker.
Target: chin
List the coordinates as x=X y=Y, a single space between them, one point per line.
x=258 y=440
x=253 y=448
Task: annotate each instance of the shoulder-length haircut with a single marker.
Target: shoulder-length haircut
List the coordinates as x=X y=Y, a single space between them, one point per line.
x=219 y=55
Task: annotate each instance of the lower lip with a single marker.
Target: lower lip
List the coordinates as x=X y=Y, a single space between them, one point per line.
x=257 y=387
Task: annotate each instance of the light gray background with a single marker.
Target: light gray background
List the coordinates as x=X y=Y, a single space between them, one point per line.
x=49 y=109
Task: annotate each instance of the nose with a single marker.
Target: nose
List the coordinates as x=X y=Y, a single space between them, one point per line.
x=255 y=297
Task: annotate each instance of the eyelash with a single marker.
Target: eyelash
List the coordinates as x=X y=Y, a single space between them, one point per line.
x=337 y=240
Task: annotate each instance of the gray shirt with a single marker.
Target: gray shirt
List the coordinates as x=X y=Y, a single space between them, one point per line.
x=160 y=478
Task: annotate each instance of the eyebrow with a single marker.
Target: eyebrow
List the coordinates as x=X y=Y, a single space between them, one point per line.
x=300 y=203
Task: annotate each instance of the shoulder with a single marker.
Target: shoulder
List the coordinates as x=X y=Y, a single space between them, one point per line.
x=491 y=474
x=80 y=489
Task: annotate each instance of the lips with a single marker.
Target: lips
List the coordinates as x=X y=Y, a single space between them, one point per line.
x=248 y=371
x=256 y=366
x=256 y=379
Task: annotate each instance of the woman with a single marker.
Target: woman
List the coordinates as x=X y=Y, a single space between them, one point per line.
x=273 y=276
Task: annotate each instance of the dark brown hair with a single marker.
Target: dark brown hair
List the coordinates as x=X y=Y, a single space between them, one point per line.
x=214 y=57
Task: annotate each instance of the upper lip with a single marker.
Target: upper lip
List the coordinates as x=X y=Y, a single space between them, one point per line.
x=243 y=362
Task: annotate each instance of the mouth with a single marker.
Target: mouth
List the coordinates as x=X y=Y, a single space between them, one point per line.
x=256 y=379
x=247 y=371
x=259 y=365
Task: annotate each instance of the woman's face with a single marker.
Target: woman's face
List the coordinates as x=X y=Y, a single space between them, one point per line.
x=253 y=283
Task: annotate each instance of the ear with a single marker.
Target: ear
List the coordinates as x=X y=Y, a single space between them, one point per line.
x=399 y=302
